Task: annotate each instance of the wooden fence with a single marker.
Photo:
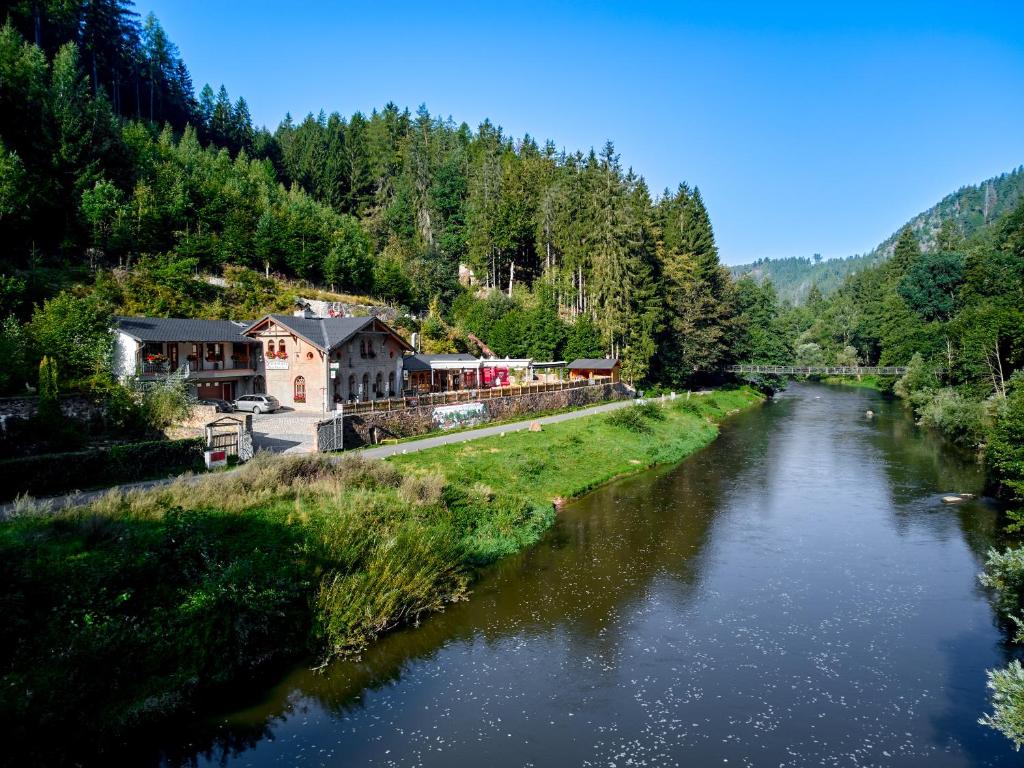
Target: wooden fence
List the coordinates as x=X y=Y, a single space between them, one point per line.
x=468 y=395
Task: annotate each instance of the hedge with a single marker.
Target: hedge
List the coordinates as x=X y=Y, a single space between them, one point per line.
x=54 y=473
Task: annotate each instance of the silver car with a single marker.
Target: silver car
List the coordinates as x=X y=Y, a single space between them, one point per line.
x=257 y=403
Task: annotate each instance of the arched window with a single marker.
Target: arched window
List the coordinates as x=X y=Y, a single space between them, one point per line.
x=281 y=351
x=352 y=394
x=391 y=384
x=364 y=392
x=300 y=389
x=378 y=385
x=270 y=349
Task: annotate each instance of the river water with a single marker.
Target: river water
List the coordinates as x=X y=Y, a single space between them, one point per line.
x=794 y=595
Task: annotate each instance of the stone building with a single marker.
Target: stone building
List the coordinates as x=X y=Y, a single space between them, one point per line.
x=316 y=363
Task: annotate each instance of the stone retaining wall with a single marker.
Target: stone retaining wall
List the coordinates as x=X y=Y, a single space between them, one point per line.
x=79 y=407
x=371 y=428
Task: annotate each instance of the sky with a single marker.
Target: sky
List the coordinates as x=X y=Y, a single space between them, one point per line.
x=808 y=127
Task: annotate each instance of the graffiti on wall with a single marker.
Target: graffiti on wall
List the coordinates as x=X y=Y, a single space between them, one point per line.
x=461 y=415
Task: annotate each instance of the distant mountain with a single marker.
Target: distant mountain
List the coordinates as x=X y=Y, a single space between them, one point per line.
x=972 y=208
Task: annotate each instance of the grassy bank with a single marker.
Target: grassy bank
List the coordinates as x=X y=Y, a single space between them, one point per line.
x=862 y=382
x=135 y=607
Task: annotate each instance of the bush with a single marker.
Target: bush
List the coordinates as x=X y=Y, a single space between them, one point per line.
x=919 y=378
x=55 y=473
x=651 y=411
x=1004 y=572
x=630 y=418
x=1007 y=686
x=956 y=417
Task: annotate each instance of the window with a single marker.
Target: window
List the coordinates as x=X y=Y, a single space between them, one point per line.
x=352 y=394
x=282 y=353
x=378 y=385
x=364 y=392
x=270 y=349
x=300 y=389
x=391 y=384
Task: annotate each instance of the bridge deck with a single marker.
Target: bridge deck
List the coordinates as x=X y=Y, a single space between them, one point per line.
x=820 y=370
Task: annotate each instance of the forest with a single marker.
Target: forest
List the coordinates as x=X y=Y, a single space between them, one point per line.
x=120 y=190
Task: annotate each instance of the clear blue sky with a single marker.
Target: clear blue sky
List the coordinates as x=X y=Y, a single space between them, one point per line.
x=809 y=127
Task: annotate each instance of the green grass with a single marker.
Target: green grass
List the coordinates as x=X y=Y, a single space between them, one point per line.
x=141 y=604
x=863 y=382
x=569 y=458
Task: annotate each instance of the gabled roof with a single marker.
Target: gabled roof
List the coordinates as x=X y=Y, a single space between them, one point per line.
x=180 y=329
x=422 y=362
x=595 y=363
x=326 y=333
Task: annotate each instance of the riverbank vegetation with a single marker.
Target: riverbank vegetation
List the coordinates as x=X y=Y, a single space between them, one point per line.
x=135 y=606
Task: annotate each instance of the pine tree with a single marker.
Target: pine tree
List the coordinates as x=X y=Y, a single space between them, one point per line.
x=906 y=251
x=49 y=392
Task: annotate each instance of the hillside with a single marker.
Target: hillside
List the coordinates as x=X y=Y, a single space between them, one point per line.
x=972 y=208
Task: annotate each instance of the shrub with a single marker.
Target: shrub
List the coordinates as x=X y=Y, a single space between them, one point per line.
x=651 y=411
x=689 y=406
x=1004 y=573
x=1007 y=686
x=919 y=377
x=49 y=393
x=629 y=418
x=956 y=417
x=166 y=402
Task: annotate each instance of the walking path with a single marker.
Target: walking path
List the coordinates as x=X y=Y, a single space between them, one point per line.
x=378 y=452
x=383 y=451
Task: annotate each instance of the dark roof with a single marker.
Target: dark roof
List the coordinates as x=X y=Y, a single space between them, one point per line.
x=422 y=362
x=324 y=332
x=180 y=329
x=595 y=364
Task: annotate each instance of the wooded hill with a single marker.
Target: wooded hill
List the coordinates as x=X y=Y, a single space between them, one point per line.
x=971 y=208
x=108 y=161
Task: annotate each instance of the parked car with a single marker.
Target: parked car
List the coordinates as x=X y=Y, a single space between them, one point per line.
x=223 y=406
x=257 y=403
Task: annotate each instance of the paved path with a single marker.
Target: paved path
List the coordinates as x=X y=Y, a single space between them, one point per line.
x=379 y=452
x=286 y=431
x=383 y=451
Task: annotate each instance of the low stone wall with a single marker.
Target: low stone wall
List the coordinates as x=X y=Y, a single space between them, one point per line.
x=79 y=407
x=371 y=428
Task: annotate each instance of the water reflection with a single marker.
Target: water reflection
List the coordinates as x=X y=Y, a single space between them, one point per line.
x=794 y=595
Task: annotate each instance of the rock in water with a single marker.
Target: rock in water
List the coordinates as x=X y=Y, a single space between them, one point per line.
x=951 y=499
x=870 y=414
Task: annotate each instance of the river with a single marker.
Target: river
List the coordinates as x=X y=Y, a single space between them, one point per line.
x=796 y=594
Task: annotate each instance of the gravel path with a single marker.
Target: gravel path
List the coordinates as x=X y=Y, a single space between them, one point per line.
x=379 y=452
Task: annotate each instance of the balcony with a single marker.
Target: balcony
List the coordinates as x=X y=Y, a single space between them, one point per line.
x=211 y=369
